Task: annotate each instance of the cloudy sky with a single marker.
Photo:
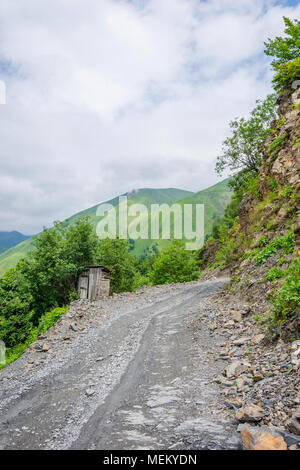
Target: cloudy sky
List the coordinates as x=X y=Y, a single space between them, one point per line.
x=104 y=96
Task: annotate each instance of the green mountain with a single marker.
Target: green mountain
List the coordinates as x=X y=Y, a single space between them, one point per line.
x=10 y=239
x=215 y=199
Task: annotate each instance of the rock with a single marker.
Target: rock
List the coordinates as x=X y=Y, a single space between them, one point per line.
x=297 y=399
x=290 y=439
x=45 y=347
x=236 y=402
x=223 y=381
x=66 y=338
x=257 y=339
x=257 y=377
x=268 y=442
x=246 y=310
x=296 y=357
x=73 y=326
x=89 y=392
x=295 y=345
x=261 y=439
x=236 y=368
x=236 y=316
x=229 y=324
x=242 y=384
x=238 y=353
x=250 y=414
x=241 y=341
x=293 y=423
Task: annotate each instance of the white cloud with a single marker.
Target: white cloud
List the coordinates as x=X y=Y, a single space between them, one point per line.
x=107 y=95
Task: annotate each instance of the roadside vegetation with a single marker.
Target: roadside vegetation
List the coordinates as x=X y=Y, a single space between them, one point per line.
x=243 y=154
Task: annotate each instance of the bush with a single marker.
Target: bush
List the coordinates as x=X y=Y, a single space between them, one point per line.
x=285 y=243
x=50 y=318
x=44 y=281
x=286 y=74
x=287 y=302
x=274 y=273
x=174 y=264
x=16 y=313
x=276 y=145
x=115 y=254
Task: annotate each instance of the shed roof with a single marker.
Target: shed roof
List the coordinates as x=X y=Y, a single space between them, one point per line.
x=105 y=268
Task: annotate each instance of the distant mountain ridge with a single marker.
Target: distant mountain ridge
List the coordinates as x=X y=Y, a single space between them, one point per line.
x=10 y=239
x=214 y=198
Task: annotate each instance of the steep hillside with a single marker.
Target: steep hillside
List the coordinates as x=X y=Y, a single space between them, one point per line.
x=261 y=250
x=10 y=239
x=215 y=199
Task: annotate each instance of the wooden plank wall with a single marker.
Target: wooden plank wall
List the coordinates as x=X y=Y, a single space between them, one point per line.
x=94 y=283
x=83 y=284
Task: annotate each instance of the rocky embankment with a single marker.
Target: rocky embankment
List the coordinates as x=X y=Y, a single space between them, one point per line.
x=260 y=381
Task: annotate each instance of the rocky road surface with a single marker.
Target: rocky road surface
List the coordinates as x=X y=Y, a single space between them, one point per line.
x=140 y=378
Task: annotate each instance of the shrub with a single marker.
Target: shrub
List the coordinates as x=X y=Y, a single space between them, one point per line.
x=286 y=243
x=275 y=146
x=174 y=264
x=262 y=241
x=274 y=273
x=50 y=318
x=287 y=302
x=286 y=74
x=115 y=254
x=44 y=281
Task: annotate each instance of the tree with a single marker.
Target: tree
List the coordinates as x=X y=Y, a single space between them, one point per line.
x=45 y=279
x=58 y=255
x=285 y=49
x=15 y=308
x=115 y=254
x=286 y=53
x=242 y=151
x=174 y=264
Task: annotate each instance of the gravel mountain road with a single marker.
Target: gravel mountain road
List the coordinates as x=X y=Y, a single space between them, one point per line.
x=142 y=379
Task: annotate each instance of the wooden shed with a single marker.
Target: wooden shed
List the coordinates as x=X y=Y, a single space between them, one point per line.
x=94 y=282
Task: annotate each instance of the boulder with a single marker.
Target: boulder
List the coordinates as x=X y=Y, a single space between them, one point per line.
x=250 y=414
x=262 y=438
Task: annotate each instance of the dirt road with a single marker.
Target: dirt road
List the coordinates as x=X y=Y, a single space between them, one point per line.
x=140 y=380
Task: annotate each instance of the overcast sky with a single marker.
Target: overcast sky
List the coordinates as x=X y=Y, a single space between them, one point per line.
x=104 y=96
